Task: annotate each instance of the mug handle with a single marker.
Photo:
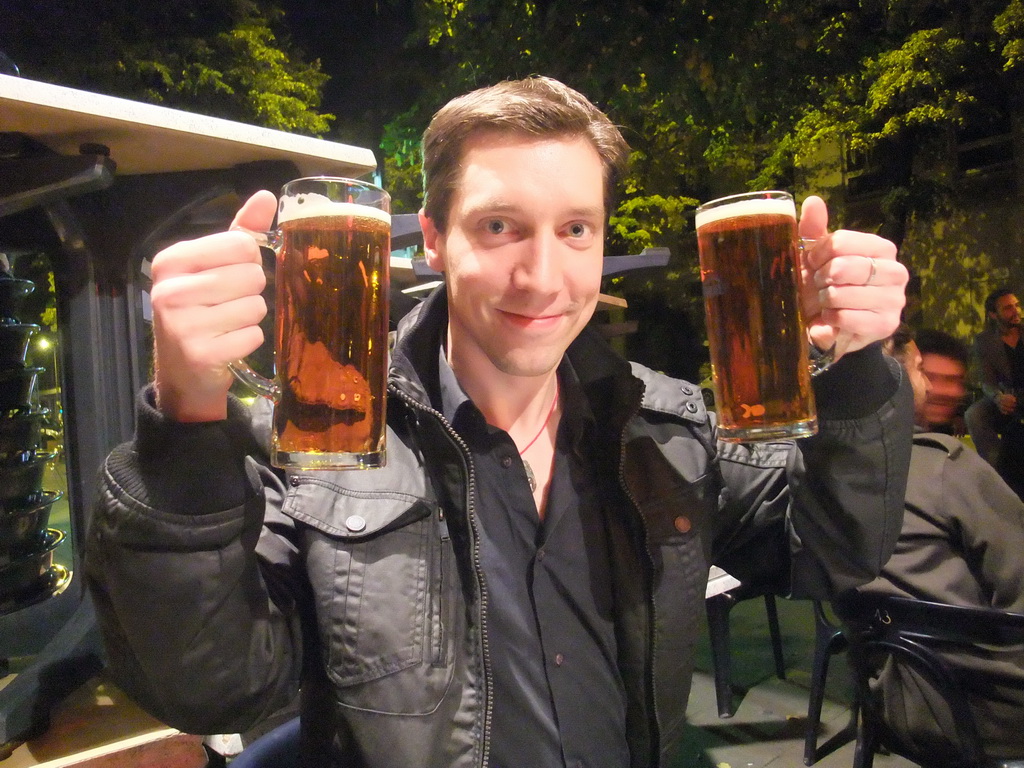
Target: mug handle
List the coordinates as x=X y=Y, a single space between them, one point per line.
x=244 y=372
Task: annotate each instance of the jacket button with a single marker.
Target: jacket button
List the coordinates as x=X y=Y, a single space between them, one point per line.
x=682 y=524
x=687 y=390
x=506 y=461
x=691 y=407
x=355 y=523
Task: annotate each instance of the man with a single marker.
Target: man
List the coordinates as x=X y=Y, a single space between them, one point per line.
x=480 y=614
x=944 y=361
x=963 y=532
x=999 y=358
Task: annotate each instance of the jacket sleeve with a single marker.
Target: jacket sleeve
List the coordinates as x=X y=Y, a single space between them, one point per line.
x=985 y=519
x=183 y=600
x=821 y=515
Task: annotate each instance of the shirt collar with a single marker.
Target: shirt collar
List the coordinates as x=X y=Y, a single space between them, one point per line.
x=576 y=413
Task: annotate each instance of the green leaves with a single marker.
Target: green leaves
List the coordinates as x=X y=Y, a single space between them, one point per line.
x=222 y=58
x=1009 y=25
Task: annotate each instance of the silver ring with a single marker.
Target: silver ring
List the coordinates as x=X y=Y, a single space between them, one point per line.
x=871 y=275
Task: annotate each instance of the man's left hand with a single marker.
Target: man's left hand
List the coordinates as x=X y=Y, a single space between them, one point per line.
x=853 y=287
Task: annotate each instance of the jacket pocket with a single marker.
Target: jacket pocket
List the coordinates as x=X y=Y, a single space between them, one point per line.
x=371 y=562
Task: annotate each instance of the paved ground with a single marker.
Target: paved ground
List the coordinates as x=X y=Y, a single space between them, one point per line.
x=768 y=727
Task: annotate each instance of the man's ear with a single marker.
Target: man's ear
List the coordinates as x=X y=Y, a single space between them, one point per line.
x=431 y=241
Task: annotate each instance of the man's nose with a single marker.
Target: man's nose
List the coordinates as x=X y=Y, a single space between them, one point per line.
x=540 y=267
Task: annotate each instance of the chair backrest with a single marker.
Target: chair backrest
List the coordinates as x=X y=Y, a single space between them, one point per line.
x=912 y=634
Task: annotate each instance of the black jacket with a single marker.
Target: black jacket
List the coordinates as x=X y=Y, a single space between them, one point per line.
x=221 y=583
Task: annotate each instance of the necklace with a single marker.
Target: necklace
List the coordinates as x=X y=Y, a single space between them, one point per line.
x=526 y=465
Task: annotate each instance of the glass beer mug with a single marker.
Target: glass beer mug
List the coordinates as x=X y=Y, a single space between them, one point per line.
x=760 y=353
x=332 y=247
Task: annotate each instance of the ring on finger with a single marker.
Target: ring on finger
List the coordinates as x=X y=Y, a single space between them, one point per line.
x=871 y=274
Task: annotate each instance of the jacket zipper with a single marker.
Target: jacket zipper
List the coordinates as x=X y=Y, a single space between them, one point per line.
x=442 y=526
x=656 y=740
x=478 y=568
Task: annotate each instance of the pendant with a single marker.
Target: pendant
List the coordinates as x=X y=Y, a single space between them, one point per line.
x=532 y=478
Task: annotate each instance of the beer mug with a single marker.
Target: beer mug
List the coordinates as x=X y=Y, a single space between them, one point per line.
x=333 y=248
x=760 y=353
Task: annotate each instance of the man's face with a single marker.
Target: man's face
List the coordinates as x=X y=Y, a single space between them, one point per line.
x=914 y=365
x=946 y=377
x=522 y=255
x=1007 y=314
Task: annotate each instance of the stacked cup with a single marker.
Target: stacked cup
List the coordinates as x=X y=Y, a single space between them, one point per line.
x=27 y=571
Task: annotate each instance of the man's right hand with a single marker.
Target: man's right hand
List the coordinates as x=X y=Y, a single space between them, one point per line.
x=206 y=313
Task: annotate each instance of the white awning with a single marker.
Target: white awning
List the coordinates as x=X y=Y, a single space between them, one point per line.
x=146 y=138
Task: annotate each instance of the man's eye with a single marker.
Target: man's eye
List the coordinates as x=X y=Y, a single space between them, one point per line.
x=495 y=227
x=578 y=229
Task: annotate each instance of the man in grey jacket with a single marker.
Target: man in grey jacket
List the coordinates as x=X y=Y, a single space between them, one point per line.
x=963 y=532
x=522 y=583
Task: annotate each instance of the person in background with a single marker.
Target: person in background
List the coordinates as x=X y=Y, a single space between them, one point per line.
x=961 y=544
x=456 y=608
x=999 y=360
x=944 y=360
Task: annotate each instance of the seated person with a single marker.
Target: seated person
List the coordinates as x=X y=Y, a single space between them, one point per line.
x=962 y=535
x=999 y=360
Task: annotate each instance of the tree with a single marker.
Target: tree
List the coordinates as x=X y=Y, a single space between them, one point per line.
x=921 y=74
x=703 y=94
x=719 y=98
x=220 y=58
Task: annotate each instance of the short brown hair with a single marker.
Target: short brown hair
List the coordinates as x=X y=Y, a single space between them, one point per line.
x=538 y=107
x=896 y=345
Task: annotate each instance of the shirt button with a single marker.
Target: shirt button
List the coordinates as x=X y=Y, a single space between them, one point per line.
x=355 y=523
x=540 y=554
x=506 y=462
x=559 y=658
x=682 y=524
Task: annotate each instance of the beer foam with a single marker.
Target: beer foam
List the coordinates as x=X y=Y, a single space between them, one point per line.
x=307 y=205
x=749 y=207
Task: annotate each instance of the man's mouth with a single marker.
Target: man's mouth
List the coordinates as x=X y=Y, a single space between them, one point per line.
x=530 y=320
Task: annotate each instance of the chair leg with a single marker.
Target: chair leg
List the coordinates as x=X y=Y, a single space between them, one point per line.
x=864 y=752
x=776 y=635
x=718 y=628
x=828 y=640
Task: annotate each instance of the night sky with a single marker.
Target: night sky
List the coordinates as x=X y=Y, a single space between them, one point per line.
x=358 y=44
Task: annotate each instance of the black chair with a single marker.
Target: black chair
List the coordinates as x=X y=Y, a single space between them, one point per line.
x=718 y=608
x=907 y=632
x=829 y=641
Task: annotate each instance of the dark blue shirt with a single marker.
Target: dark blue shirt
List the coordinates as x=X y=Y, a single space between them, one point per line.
x=558 y=699
x=1016 y=357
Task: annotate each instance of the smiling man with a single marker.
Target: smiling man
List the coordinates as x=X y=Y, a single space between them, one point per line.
x=524 y=583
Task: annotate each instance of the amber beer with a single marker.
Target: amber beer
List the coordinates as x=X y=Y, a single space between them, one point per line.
x=332 y=326
x=333 y=249
x=750 y=273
